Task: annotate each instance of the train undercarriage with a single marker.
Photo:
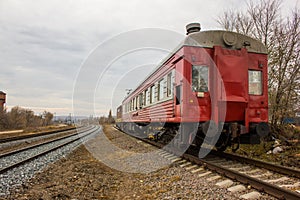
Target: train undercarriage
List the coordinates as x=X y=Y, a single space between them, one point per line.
x=195 y=135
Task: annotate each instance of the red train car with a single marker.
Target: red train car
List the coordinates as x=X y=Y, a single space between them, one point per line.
x=214 y=82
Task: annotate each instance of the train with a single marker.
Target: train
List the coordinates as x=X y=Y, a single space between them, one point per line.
x=212 y=87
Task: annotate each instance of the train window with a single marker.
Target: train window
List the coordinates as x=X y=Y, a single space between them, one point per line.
x=160 y=90
x=255 y=82
x=130 y=105
x=172 y=81
x=141 y=101
x=200 y=78
x=152 y=94
x=136 y=103
x=169 y=85
x=147 y=96
x=133 y=103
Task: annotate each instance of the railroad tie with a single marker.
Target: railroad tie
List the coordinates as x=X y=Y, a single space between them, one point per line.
x=160 y=151
x=225 y=184
x=171 y=156
x=251 y=195
x=191 y=167
x=197 y=170
x=214 y=178
x=185 y=164
x=205 y=174
x=163 y=153
x=175 y=160
x=180 y=161
x=237 y=188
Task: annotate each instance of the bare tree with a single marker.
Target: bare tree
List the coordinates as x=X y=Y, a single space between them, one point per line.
x=47 y=118
x=4 y=122
x=236 y=21
x=30 y=120
x=17 y=118
x=20 y=118
x=284 y=69
x=281 y=37
x=265 y=17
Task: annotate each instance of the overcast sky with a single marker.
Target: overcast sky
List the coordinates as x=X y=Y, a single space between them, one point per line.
x=46 y=47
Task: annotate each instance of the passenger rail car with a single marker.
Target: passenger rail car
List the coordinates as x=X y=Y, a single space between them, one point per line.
x=213 y=78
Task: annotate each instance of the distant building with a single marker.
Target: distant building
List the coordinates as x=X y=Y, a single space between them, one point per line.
x=2 y=100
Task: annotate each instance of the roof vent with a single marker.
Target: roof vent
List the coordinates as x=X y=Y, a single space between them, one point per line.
x=193 y=27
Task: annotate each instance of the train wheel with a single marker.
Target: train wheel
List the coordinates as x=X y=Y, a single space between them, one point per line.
x=223 y=142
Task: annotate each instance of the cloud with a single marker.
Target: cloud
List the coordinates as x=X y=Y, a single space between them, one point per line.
x=44 y=43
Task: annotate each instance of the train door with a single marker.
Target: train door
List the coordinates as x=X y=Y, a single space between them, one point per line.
x=233 y=69
x=178 y=89
x=178 y=100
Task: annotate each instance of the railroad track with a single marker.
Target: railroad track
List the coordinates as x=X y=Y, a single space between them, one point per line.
x=266 y=179
x=19 y=143
x=278 y=181
x=21 y=137
x=15 y=158
x=29 y=146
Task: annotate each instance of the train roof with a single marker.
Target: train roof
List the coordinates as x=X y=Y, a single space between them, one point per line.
x=226 y=39
x=209 y=39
